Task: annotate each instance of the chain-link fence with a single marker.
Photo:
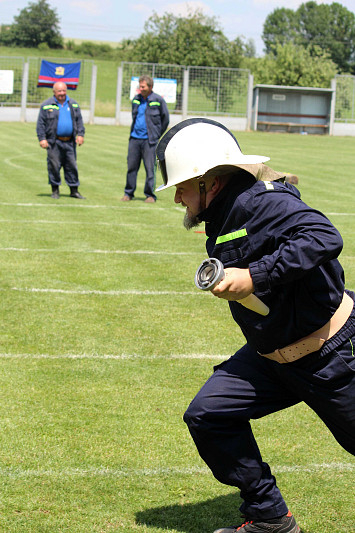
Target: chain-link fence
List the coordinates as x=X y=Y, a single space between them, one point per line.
x=345 y=99
x=154 y=70
x=218 y=91
x=206 y=91
x=12 y=64
x=35 y=95
x=201 y=90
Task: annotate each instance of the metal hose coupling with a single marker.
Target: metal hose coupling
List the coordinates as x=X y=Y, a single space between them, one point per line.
x=211 y=272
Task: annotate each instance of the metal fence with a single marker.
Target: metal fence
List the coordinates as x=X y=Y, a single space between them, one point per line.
x=15 y=64
x=199 y=90
x=202 y=91
x=345 y=99
x=154 y=70
x=35 y=95
x=218 y=91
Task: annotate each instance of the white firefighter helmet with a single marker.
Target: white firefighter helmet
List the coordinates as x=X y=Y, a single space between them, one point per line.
x=197 y=146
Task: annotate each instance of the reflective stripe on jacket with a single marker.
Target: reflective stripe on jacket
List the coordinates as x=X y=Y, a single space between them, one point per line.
x=48 y=120
x=291 y=251
x=156 y=115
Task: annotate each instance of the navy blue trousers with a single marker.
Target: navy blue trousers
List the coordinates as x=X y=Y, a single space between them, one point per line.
x=138 y=150
x=248 y=386
x=62 y=154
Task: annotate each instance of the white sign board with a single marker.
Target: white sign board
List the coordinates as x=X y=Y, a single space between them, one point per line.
x=6 y=81
x=162 y=86
x=279 y=97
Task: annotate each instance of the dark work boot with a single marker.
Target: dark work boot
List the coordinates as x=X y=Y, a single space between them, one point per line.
x=284 y=524
x=55 y=192
x=74 y=193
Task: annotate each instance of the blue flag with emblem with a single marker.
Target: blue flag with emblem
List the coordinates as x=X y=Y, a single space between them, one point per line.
x=50 y=73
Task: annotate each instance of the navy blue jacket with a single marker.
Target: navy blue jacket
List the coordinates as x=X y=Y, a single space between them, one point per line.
x=291 y=251
x=48 y=120
x=156 y=115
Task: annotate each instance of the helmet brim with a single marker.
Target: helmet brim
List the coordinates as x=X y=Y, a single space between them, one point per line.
x=251 y=163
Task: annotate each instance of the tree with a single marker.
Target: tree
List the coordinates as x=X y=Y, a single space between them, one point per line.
x=281 y=26
x=192 y=40
x=293 y=65
x=330 y=27
x=195 y=40
x=35 y=24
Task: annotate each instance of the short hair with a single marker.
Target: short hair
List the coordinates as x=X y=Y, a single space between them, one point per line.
x=149 y=81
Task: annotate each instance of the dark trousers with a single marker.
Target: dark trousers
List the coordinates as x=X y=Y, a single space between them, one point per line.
x=62 y=154
x=248 y=386
x=138 y=150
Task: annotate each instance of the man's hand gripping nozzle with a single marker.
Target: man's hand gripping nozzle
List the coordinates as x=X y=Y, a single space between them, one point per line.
x=210 y=272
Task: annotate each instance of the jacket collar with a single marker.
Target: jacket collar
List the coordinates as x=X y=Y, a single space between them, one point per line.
x=221 y=204
x=225 y=199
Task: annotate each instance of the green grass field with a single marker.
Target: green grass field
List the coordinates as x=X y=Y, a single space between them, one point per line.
x=105 y=340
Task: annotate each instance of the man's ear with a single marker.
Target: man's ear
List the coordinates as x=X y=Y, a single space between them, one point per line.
x=216 y=185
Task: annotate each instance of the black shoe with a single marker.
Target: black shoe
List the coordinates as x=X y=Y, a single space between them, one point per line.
x=284 y=524
x=55 y=192
x=74 y=193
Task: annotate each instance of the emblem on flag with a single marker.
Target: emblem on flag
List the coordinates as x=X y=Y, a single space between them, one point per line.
x=59 y=71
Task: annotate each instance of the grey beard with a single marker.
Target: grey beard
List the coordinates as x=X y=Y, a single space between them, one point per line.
x=191 y=222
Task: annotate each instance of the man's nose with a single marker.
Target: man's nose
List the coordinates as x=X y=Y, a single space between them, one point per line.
x=177 y=197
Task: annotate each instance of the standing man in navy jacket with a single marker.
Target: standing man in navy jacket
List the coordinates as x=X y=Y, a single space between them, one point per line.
x=150 y=119
x=277 y=248
x=59 y=129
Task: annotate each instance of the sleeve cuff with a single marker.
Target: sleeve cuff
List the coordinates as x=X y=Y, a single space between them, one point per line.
x=260 y=278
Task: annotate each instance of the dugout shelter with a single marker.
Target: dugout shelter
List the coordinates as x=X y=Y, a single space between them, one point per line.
x=307 y=110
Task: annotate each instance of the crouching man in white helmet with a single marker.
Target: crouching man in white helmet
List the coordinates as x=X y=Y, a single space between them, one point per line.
x=275 y=246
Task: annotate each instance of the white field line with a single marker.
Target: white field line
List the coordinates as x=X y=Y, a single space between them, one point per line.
x=124 y=292
x=114 y=357
x=9 y=160
x=105 y=293
x=123 y=252
x=100 y=223
x=132 y=205
x=82 y=223
x=102 y=471
x=107 y=252
x=340 y=214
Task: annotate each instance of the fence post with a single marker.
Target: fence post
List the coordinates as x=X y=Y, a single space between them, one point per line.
x=93 y=94
x=24 y=91
x=119 y=94
x=185 y=94
x=333 y=85
x=249 y=100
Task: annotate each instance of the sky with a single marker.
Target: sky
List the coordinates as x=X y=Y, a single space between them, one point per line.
x=114 y=20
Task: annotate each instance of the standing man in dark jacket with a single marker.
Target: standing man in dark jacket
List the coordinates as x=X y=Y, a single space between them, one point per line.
x=150 y=119
x=59 y=129
x=274 y=247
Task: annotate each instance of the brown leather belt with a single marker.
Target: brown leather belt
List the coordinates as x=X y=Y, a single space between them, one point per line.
x=315 y=340
x=64 y=138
